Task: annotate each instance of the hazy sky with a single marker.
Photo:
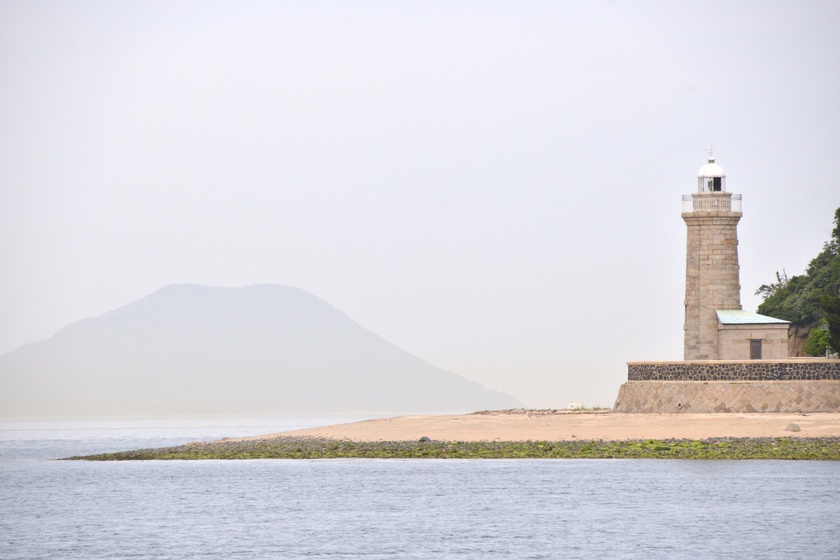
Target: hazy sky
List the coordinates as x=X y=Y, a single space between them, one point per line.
x=492 y=186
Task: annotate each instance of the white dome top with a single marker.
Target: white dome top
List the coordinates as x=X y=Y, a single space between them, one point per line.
x=711 y=169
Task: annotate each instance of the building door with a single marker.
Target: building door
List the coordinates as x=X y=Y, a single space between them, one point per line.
x=755 y=349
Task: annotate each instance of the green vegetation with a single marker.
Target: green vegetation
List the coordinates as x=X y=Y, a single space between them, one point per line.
x=830 y=304
x=818 y=340
x=810 y=298
x=315 y=448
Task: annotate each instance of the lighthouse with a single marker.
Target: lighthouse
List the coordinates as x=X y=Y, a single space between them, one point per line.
x=716 y=328
x=711 y=215
x=735 y=360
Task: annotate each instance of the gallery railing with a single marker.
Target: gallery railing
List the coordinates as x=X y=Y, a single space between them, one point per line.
x=711 y=202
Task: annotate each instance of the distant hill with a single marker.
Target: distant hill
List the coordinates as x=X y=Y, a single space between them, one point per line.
x=189 y=349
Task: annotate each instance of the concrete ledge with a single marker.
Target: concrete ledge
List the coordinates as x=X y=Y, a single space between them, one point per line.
x=728 y=396
x=736 y=370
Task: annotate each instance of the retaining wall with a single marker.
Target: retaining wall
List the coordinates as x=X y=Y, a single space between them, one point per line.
x=728 y=396
x=736 y=370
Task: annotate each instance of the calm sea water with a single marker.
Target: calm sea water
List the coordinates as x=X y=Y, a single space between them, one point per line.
x=370 y=509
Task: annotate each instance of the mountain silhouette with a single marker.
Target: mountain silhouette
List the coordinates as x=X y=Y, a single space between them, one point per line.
x=189 y=349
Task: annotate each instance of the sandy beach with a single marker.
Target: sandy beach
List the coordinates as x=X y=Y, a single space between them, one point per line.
x=559 y=425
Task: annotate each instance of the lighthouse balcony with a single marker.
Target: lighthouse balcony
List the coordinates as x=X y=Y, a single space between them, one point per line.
x=711 y=202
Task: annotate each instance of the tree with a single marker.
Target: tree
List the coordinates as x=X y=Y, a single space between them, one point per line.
x=835 y=233
x=817 y=340
x=831 y=308
x=799 y=298
x=767 y=290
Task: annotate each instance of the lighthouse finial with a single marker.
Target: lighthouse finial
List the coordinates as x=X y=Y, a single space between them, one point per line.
x=711 y=151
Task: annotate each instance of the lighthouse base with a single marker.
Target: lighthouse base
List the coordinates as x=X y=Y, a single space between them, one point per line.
x=728 y=396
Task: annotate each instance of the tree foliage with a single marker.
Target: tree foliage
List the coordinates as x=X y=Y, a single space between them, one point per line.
x=831 y=308
x=817 y=340
x=806 y=299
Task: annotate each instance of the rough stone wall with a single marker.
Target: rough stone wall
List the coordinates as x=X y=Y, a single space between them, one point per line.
x=711 y=278
x=797 y=337
x=728 y=396
x=730 y=370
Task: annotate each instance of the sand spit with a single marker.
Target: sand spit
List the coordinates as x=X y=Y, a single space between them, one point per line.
x=565 y=425
x=510 y=434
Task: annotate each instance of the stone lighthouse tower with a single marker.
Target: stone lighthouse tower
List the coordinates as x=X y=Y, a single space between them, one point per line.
x=711 y=270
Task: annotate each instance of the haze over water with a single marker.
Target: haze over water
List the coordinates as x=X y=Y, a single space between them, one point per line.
x=492 y=187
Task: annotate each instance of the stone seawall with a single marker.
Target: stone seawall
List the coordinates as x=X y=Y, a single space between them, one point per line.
x=730 y=370
x=728 y=396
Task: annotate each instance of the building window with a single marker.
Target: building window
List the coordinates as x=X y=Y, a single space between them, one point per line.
x=755 y=349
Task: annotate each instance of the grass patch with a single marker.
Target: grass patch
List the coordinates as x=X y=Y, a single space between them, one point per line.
x=318 y=448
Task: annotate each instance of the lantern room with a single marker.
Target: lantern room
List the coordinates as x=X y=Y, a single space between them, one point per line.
x=711 y=178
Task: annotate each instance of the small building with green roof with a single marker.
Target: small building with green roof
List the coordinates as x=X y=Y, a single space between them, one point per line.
x=744 y=335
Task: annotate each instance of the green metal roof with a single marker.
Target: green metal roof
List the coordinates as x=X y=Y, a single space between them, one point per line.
x=741 y=317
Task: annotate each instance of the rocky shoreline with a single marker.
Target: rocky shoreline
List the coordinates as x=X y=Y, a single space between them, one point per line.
x=790 y=448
